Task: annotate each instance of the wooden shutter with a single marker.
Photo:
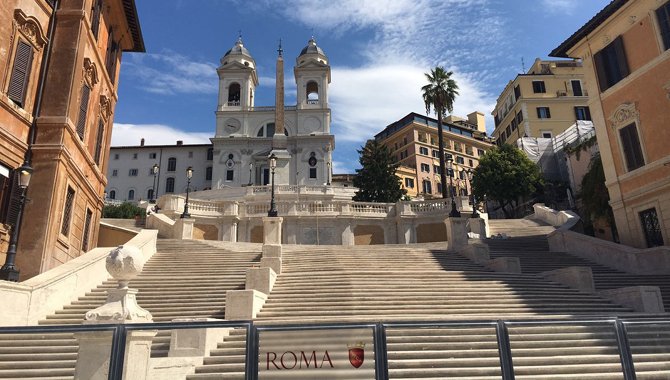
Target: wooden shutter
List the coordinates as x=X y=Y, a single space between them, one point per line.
x=18 y=81
x=83 y=110
x=600 y=70
x=95 y=17
x=632 y=150
x=622 y=62
x=98 y=143
x=87 y=230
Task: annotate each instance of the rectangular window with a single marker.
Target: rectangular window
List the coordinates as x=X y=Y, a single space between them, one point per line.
x=460 y=160
x=576 y=88
x=172 y=164
x=98 y=142
x=18 y=81
x=508 y=130
x=423 y=150
x=436 y=153
x=151 y=171
x=67 y=211
x=115 y=172
x=83 y=110
x=632 y=150
x=111 y=55
x=513 y=125
x=480 y=152
x=425 y=168
x=519 y=117
x=116 y=156
x=208 y=173
x=517 y=92
x=427 y=188
x=538 y=87
x=95 y=17
x=134 y=156
x=471 y=163
x=469 y=150
x=229 y=175
x=190 y=154
x=457 y=147
x=87 y=230
x=582 y=113
x=663 y=15
x=210 y=154
x=132 y=172
x=543 y=113
x=547 y=135
x=312 y=173
x=436 y=169
x=611 y=64
x=409 y=183
x=152 y=156
x=651 y=228
x=169 y=185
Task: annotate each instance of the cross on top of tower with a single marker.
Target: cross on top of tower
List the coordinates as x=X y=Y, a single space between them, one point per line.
x=280 y=50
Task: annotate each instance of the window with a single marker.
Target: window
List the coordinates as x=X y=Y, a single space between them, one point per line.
x=169 y=185
x=547 y=135
x=210 y=154
x=67 y=211
x=312 y=173
x=312 y=92
x=132 y=172
x=423 y=150
x=208 y=173
x=268 y=130
x=438 y=187
x=469 y=150
x=460 y=160
x=116 y=156
x=150 y=194
x=190 y=154
x=427 y=188
x=83 y=110
x=131 y=194
x=87 y=230
x=435 y=153
x=151 y=171
x=111 y=55
x=611 y=64
x=172 y=164
x=115 y=172
x=519 y=117
x=229 y=175
x=577 y=88
x=425 y=168
x=517 y=92
x=98 y=142
x=471 y=163
x=409 y=183
x=632 y=151
x=543 y=113
x=651 y=228
x=582 y=113
x=513 y=125
x=95 y=17
x=18 y=82
x=134 y=156
x=152 y=156
x=480 y=152
x=508 y=130
x=538 y=87
x=112 y=194
x=457 y=147
x=234 y=92
x=663 y=15
x=436 y=169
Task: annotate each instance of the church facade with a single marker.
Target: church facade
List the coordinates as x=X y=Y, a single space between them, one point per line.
x=247 y=134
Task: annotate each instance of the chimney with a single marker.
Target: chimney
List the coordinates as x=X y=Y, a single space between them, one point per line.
x=180 y=142
x=142 y=141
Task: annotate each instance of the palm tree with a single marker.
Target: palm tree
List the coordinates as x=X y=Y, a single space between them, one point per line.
x=440 y=93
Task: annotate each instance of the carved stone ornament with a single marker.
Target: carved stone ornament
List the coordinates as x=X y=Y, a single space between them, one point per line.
x=624 y=115
x=105 y=107
x=632 y=20
x=124 y=263
x=667 y=89
x=30 y=28
x=90 y=72
x=606 y=40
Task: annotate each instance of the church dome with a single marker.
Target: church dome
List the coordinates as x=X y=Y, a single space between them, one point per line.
x=312 y=52
x=311 y=48
x=238 y=53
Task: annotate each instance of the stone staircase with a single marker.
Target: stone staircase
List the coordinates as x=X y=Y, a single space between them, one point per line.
x=184 y=279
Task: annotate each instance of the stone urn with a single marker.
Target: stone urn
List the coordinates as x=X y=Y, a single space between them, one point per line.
x=123 y=263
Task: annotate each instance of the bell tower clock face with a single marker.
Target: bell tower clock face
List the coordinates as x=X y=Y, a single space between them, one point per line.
x=232 y=125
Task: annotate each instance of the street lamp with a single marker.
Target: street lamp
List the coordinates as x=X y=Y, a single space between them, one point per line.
x=475 y=214
x=189 y=175
x=450 y=168
x=328 y=174
x=154 y=170
x=273 y=166
x=9 y=271
x=251 y=169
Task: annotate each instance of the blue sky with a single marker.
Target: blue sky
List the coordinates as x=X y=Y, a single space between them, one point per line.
x=378 y=51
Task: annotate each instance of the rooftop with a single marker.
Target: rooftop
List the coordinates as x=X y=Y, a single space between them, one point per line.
x=463 y=127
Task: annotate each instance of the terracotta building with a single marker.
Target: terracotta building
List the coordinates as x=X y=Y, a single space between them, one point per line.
x=413 y=141
x=625 y=50
x=543 y=102
x=59 y=66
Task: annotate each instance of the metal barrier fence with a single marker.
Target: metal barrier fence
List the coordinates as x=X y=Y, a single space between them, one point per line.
x=258 y=336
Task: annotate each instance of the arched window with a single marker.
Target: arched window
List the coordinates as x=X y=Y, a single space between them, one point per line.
x=150 y=194
x=131 y=194
x=268 y=130
x=169 y=185
x=112 y=194
x=312 y=92
x=234 y=94
x=210 y=154
x=172 y=164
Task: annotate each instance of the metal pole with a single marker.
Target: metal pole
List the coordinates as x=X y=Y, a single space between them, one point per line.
x=273 y=207
x=624 y=351
x=153 y=189
x=505 y=351
x=185 y=214
x=9 y=271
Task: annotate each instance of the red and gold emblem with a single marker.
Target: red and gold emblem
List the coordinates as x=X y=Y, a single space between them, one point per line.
x=356 y=354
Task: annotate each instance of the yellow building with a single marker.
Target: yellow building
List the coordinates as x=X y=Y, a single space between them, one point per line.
x=541 y=103
x=413 y=141
x=625 y=49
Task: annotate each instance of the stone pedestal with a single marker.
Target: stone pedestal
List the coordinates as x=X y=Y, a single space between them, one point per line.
x=95 y=349
x=644 y=299
x=261 y=279
x=480 y=227
x=476 y=252
x=272 y=250
x=505 y=265
x=121 y=307
x=580 y=278
x=283 y=158
x=243 y=305
x=195 y=341
x=183 y=228
x=274 y=263
x=457 y=234
x=138 y=354
x=272 y=231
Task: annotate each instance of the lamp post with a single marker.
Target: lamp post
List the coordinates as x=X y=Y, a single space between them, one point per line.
x=273 y=166
x=475 y=214
x=154 y=170
x=251 y=169
x=454 y=213
x=9 y=271
x=328 y=174
x=189 y=175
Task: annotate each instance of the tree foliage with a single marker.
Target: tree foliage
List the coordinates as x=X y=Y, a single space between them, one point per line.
x=376 y=180
x=440 y=94
x=594 y=194
x=125 y=210
x=506 y=175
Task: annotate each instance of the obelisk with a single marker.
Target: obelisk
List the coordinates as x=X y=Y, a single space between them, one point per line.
x=279 y=141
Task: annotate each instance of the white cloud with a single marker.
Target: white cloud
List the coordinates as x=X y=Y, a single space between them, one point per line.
x=560 y=6
x=155 y=134
x=170 y=73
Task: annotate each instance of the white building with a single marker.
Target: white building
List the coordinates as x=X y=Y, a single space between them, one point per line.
x=244 y=132
x=131 y=177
